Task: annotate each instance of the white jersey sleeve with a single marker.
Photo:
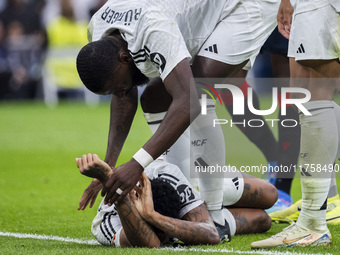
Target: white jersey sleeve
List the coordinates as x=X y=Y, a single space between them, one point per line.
x=158 y=49
x=106 y=225
x=155 y=41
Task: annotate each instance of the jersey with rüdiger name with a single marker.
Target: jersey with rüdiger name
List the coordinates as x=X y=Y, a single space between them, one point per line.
x=160 y=34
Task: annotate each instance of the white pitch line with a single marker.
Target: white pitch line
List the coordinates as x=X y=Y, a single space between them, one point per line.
x=94 y=242
x=46 y=237
x=252 y=252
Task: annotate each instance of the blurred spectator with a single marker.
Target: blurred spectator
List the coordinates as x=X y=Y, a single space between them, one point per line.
x=66 y=37
x=81 y=9
x=96 y=7
x=22 y=50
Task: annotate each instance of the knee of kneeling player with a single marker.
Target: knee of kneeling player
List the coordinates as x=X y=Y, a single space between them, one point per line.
x=264 y=222
x=271 y=195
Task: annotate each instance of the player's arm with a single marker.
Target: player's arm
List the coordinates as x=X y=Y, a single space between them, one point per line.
x=185 y=106
x=136 y=231
x=196 y=227
x=190 y=232
x=284 y=18
x=122 y=112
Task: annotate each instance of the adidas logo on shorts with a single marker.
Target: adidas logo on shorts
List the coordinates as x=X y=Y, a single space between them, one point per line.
x=301 y=49
x=236 y=182
x=212 y=48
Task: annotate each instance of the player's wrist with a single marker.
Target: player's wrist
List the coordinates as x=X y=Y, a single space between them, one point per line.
x=135 y=165
x=124 y=201
x=143 y=158
x=152 y=217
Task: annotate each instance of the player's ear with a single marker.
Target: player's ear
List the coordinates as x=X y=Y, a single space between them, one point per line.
x=124 y=57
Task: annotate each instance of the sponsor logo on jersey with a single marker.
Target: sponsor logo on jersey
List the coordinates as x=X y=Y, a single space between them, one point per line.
x=159 y=60
x=199 y=142
x=185 y=193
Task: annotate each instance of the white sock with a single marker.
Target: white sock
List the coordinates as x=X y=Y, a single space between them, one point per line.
x=319 y=138
x=231 y=220
x=208 y=149
x=337 y=116
x=217 y=216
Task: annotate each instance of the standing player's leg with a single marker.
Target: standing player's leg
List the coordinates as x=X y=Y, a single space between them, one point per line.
x=275 y=51
x=185 y=151
x=318 y=149
x=319 y=131
x=333 y=201
x=289 y=137
x=155 y=101
x=249 y=26
x=236 y=40
x=262 y=136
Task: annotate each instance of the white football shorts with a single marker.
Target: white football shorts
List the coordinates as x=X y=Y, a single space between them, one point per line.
x=240 y=36
x=233 y=189
x=315 y=34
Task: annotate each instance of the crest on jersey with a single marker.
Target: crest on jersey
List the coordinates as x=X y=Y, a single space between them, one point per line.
x=159 y=60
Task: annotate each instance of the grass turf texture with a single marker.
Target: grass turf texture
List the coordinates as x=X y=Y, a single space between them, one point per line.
x=40 y=185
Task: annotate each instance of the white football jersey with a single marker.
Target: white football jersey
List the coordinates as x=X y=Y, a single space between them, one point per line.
x=107 y=222
x=160 y=34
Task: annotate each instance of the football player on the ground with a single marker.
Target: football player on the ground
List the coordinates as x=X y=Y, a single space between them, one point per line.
x=121 y=225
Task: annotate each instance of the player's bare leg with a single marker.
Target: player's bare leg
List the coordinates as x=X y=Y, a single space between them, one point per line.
x=319 y=77
x=92 y=166
x=257 y=193
x=250 y=220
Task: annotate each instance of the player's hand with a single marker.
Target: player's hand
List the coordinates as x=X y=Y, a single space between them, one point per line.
x=144 y=201
x=92 y=166
x=122 y=181
x=284 y=18
x=90 y=194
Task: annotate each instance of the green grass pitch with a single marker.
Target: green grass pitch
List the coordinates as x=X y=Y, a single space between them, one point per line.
x=40 y=185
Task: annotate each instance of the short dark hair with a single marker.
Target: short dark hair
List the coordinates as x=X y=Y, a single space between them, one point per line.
x=166 y=200
x=95 y=62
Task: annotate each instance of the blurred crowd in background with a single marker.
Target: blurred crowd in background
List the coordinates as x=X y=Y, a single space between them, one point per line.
x=39 y=40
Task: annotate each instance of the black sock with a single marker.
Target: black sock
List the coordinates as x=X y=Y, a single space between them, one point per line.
x=289 y=148
x=262 y=137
